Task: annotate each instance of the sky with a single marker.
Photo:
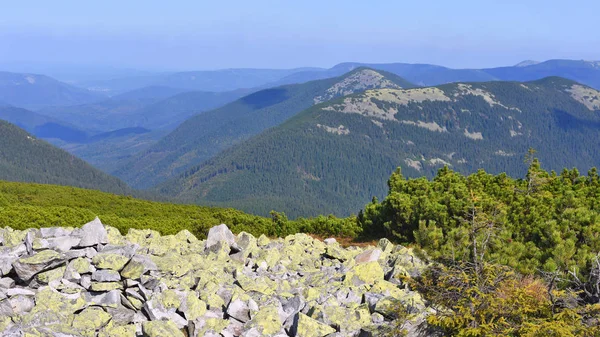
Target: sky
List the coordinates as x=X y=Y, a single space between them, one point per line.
x=197 y=34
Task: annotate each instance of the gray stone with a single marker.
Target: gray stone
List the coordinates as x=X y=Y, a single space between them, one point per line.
x=369 y=255
x=330 y=241
x=92 y=234
x=86 y=281
x=6 y=283
x=53 y=232
x=63 y=244
x=239 y=310
x=6 y=309
x=106 y=275
x=121 y=315
x=219 y=234
x=19 y=291
x=21 y=304
x=109 y=299
x=75 y=253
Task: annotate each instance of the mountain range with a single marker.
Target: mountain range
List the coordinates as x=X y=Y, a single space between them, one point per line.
x=193 y=134
x=150 y=107
x=585 y=72
x=335 y=156
x=206 y=134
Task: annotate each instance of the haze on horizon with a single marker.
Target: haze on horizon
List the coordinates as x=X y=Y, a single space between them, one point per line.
x=197 y=35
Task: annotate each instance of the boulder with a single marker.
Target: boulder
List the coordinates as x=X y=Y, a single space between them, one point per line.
x=111 y=261
x=27 y=267
x=369 y=255
x=92 y=318
x=219 y=234
x=92 y=233
x=308 y=327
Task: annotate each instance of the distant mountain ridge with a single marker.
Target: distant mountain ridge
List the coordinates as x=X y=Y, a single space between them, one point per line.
x=149 y=107
x=585 y=72
x=333 y=157
x=26 y=158
x=208 y=133
x=32 y=91
x=208 y=80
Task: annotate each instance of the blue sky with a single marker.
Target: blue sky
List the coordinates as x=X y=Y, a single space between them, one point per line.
x=198 y=34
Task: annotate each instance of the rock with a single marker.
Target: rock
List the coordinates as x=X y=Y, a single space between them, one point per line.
x=61 y=244
x=27 y=267
x=106 y=275
x=120 y=315
x=118 y=331
x=369 y=255
x=137 y=266
x=76 y=253
x=86 y=281
x=219 y=234
x=110 y=261
x=19 y=291
x=21 y=304
x=377 y=318
x=6 y=283
x=110 y=299
x=53 y=232
x=266 y=321
x=92 y=318
x=330 y=241
x=161 y=329
x=192 y=307
x=105 y=286
x=239 y=310
x=92 y=233
x=308 y=327
x=365 y=273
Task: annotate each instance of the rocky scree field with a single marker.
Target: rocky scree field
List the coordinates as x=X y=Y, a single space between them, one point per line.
x=93 y=281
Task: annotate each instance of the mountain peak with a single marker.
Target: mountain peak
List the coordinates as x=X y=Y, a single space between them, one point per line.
x=527 y=63
x=361 y=79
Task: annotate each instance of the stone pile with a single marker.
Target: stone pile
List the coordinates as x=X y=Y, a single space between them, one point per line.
x=93 y=281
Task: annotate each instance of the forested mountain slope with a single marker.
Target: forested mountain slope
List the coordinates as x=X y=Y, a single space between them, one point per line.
x=206 y=134
x=26 y=158
x=335 y=156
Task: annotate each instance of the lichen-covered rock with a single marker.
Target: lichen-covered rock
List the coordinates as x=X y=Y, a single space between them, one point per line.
x=137 y=266
x=161 y=329
x=27 y=267
x=266 y=321
x=308 y=327
x=110 y=261
x=118 y=331
x=92 y=318
x=365 y=273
